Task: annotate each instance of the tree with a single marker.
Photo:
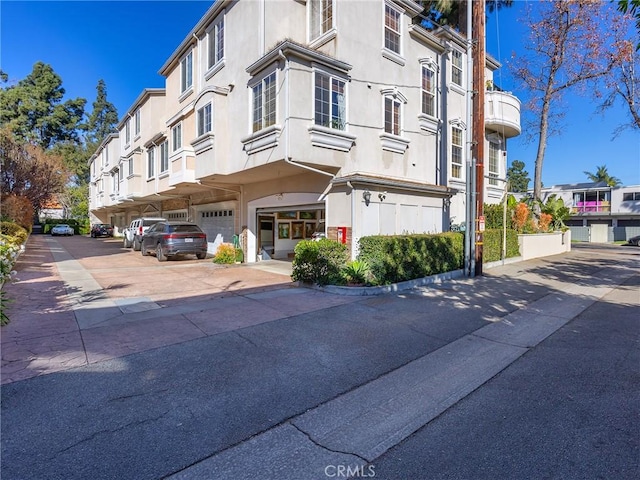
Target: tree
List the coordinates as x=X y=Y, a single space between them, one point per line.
x=573 y=44
x=75 y=201
x=28 y=171
x=632 y=7
x=454 y=12
x=518 y=177
x=34 y=111
x=624 y=85
x=103 y=118
x=602 y=175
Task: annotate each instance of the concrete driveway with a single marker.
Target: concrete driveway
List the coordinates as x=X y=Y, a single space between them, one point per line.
x=81 y=300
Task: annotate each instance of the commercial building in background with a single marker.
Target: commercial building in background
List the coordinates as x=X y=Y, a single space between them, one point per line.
x=279 y=119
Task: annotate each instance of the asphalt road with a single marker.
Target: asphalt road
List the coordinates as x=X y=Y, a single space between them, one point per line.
x=570 y=409
x=567 y=408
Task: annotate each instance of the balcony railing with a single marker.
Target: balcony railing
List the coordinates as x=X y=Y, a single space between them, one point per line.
x=502 y=113
x=591 y=207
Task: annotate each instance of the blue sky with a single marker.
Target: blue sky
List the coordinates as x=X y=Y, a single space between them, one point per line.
x=126 y=43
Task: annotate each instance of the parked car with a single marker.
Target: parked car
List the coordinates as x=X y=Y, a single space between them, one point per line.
x=137 y=228
x=101 y=230
x=635 y=241
x=167 y=239
x=62 y=229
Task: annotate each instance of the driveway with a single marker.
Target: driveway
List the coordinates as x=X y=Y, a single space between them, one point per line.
x=81 y=300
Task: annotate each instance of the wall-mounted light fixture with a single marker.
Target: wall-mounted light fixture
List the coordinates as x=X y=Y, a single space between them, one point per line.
x=366 y=195
x=382 y=196
x=447 y=202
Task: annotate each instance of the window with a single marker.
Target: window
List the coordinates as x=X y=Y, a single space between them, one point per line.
x=186 y=72
x=392 y=29
x=176 y=137
x=330 y=102
x=136 y=124
x=151 y=162
x=456 y=67
x=428 y=91
x=494 y=155
x=120 y=173
x=392 y=115
x=127 y=131
x=204 y=119
x=456 y=152
x=164 y=157
x=321 y=17
x=630 y=196
x=264 y=103
x=131 y=166
x=216 y=43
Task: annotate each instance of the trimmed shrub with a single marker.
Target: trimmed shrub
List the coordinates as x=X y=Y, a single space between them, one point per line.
x=407 y=257
x=226 y=254
x=17 y=234
x=492 y=245
x=319 y=262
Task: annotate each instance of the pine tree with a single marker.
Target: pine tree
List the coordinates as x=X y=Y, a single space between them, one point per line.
x=103 y=118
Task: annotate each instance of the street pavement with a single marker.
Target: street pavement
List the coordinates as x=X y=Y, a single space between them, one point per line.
x=212 y=372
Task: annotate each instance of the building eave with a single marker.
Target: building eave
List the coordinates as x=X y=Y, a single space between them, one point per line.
x=290 y=48
x=195 y=33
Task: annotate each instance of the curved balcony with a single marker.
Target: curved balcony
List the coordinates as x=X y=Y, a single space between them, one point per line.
x=502 y=113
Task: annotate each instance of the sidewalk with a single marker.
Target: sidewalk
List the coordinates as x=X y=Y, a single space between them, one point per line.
x=329 y=381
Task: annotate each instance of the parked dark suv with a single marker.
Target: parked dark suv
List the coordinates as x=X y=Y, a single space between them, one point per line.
x=167 y=239
x=101 y=230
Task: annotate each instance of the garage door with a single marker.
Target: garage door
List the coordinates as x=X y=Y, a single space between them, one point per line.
x=219 y=227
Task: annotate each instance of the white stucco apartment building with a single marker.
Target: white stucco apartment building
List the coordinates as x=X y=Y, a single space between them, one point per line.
x=279 y=118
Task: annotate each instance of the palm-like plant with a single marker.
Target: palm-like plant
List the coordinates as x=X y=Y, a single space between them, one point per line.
x=602 y=175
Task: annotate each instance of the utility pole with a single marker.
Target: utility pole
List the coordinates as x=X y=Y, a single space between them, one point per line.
x=479 y=62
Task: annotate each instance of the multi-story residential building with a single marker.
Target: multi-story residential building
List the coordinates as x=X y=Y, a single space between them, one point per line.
x=599 y=213
x=280 y=118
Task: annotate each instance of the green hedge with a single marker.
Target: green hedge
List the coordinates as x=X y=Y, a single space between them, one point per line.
x=319 y=262
x=398 y=258
x=492 y=244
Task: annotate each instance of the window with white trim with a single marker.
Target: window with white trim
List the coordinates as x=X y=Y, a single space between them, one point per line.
x=115 y=182
x=494 y=156
x=392 y=29
x=136 y=123
x=164 y=157
x=127 y=131
x=204 y=119
x=456 y=67
x=264 y=103
x=428 y=90
x=392 y=115
x=330 y=101
x=131 y=166
x=215 y=43
x=151 y=162
x=176 y=137
x=456 y=152
x=320 y=17
x=186 y=72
